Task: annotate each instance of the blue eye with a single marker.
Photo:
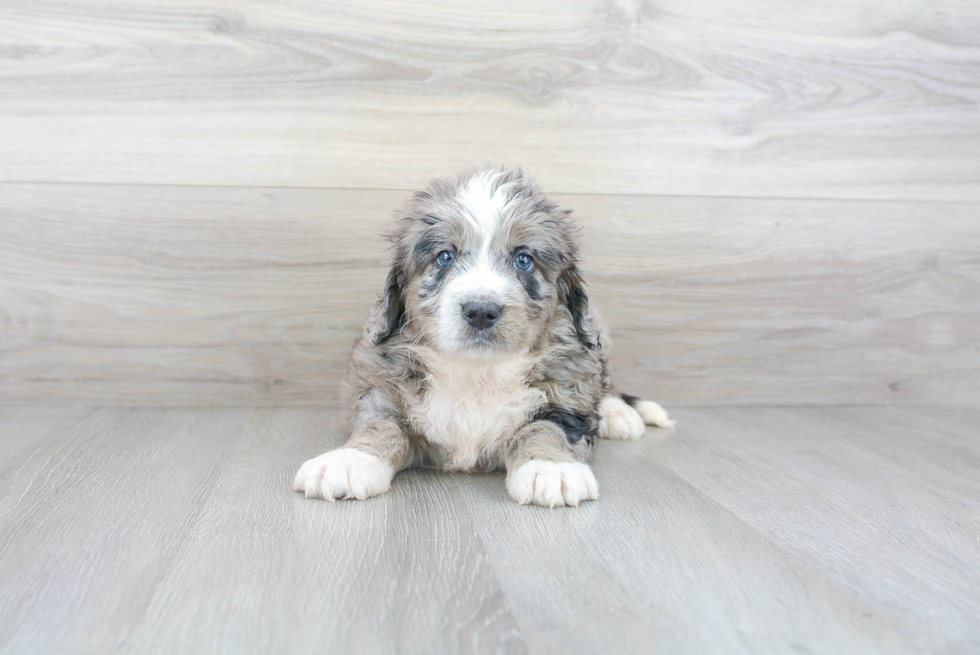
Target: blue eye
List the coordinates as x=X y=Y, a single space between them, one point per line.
x=524 y=263
x=446 y=259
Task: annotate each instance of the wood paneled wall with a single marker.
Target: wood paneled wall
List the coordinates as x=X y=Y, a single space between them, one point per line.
x=781 y=199
x=254 y=295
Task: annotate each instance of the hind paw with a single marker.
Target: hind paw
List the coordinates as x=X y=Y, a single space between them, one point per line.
x=618 y=420
x=653 y=414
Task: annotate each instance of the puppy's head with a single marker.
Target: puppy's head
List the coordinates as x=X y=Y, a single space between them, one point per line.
x=483 y=264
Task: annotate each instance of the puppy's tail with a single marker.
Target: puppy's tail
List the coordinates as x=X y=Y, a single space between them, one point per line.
x=651 y=413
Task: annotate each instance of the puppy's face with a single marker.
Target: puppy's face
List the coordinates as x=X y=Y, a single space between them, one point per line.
x=482 y=264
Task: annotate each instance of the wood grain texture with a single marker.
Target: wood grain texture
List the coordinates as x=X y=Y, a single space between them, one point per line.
x=737 y=535
x=748 y=530
x=95 y=507
x=875 y=100
x=297 y=576
x=162 y=295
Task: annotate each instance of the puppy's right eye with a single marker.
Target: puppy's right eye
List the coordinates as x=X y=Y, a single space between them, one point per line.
x=446 y=259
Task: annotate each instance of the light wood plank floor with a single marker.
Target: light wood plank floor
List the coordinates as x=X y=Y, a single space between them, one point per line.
x=812 y=530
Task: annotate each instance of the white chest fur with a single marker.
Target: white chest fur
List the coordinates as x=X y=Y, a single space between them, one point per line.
x=471 y=407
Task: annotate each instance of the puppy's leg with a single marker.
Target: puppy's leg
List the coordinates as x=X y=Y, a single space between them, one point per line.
x=362 y=468
x=542 y=468
x=625 y=417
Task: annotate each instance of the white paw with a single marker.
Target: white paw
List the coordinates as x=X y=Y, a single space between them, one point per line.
x=653 y=414
x=552 y=484
x=618 y=420
x=344 y=473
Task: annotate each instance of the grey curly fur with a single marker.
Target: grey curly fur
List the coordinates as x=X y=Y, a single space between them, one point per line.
x=389 y=370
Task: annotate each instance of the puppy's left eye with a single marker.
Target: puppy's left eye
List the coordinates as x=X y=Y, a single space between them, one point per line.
x=446 y=258
x=524 y=263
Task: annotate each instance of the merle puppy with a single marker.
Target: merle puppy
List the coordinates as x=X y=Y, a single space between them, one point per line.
x=483 y=352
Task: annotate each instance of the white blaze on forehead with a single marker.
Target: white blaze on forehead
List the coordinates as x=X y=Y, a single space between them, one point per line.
x=482 y=205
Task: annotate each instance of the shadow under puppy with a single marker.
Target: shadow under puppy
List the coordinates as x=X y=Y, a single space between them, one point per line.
x=482 y=353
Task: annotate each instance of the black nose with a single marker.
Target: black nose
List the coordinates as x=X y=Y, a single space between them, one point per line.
x=481 y=315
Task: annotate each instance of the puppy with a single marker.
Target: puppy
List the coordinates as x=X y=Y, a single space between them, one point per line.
x=482 y=353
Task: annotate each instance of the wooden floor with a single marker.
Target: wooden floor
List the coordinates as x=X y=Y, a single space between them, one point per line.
x=811 y=530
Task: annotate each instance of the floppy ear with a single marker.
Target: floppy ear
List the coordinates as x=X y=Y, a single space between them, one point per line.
x=571 y=293
x=392 y=307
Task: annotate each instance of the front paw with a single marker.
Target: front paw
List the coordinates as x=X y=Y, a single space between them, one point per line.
x=344 y=473
x=552 y=484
